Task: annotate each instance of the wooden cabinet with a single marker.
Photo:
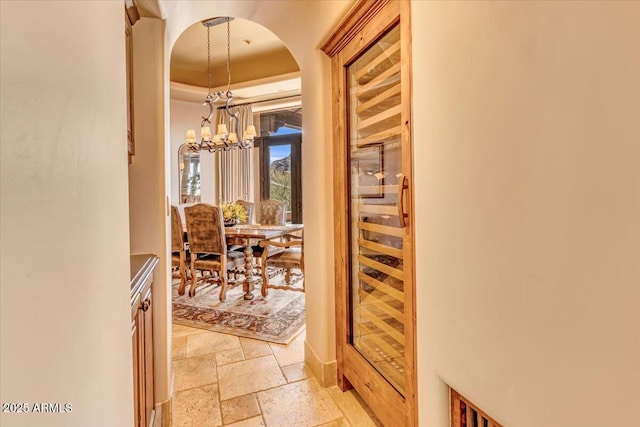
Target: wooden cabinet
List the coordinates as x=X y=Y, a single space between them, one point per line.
x=142 y=267
x=374 y=265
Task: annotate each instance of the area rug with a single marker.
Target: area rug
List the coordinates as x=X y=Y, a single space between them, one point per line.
x=277 y=318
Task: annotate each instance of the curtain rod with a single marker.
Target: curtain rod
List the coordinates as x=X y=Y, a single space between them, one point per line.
x=223 y=107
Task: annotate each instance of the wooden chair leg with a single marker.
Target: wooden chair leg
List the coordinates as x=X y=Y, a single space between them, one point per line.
x=223 y=288
x=183 y=276
x=265 y=281
x=194 y=280
x=223 y=278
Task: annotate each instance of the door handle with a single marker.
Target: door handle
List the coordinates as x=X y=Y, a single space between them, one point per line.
x=403 y=184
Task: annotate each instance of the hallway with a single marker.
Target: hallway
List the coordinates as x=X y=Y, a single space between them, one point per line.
x=224 y=380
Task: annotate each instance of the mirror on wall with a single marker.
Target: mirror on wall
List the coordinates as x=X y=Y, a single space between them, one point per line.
x=189 y=175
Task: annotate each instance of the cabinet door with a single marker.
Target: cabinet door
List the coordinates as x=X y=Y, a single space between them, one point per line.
x=137 y=387
x=147 y=317
x=374 y=228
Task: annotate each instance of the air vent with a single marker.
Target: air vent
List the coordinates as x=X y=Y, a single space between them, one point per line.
x=466 y=414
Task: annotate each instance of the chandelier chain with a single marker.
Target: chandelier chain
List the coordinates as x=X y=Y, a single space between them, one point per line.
x=228 y=55
x=209 y=59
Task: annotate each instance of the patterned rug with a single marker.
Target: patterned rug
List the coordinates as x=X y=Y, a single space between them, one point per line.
x=277 y=318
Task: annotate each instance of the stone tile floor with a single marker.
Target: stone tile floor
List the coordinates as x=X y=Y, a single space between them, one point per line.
x=224 y=380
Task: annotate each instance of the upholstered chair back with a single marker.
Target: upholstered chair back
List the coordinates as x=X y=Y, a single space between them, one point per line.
x=205 y=229
x=271 y=212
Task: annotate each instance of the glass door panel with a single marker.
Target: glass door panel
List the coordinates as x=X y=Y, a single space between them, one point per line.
x=280 y=174
x=375 y=188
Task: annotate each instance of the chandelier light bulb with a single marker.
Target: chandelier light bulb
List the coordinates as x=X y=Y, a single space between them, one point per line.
x=205 y=133
x=222 y=130
x=191 y=137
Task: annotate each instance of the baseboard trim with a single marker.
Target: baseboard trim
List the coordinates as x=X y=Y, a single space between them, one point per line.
x=166 y=412
x=166 y=407
x=162 y=413
x=325 y=372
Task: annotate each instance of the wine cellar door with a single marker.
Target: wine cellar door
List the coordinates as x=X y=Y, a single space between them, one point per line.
x=374 y=264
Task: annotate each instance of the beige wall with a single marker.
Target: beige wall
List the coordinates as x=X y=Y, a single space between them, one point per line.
x=527 y=178
x=64 y=274
x=148 y=214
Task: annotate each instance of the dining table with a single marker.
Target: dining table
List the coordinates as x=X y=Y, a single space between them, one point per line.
x=248 y=235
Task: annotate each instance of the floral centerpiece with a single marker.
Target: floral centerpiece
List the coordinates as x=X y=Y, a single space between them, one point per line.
x=233 y=213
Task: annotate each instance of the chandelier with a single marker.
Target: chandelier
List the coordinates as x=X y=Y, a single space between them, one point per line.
x=225 y=138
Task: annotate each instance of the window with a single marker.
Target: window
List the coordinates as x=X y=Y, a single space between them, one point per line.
x=281 y=122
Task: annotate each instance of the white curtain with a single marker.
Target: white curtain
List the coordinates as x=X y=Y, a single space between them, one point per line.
x=235 y=166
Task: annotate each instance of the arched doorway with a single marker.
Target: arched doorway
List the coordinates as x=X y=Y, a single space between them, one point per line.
x=313 y=21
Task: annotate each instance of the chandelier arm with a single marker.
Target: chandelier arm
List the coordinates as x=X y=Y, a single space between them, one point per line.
x=207 y=119
x=228 y=104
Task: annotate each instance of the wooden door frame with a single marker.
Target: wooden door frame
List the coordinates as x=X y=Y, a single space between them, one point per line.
x=366 y=22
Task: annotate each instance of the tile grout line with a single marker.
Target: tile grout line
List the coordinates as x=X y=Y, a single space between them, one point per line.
x=218 y=378
x=343 y=416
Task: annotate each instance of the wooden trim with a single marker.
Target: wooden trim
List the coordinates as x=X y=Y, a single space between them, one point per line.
x=393 y=398
x=375 y=84
x=453 y=403
x=340 y=221
x=383 y=268
x=456 y=419
x=128 y=33
x=379 y=99
x=369 y=299
x=133 y=14
x=379 y=118
x=382 y=287
x=390 y=52
x=390 y=408
x=382 y=229
x=165 y=412
x=383 y=249
x=357 y=18
x=377 y=209
x=396 y=131
x=411 y=388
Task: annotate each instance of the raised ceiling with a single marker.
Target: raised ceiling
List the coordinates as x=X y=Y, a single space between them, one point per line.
x=256 y=54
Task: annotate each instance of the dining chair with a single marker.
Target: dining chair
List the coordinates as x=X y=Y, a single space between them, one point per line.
x=178 y=253
x=208 y=246
x=268 y=212
x=285 y=255
x=271 y=212
x=248 y=207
